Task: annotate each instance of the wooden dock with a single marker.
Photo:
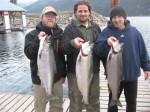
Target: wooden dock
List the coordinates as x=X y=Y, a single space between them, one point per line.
x=24 y=103
x=143 y=97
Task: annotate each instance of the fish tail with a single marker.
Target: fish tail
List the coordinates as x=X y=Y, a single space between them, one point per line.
x=113 y=103
x=49 y=98
x=40 y=55
x=86 y=102
x=119 y=103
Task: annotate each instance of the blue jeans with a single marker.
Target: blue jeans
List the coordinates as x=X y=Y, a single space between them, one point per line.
x=130 y=92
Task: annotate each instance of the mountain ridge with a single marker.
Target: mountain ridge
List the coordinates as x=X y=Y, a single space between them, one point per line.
x=133 y=7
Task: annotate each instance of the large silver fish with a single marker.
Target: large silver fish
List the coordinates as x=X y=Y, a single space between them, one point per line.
x=114 y=71
x=84 y=70
x=46 y=66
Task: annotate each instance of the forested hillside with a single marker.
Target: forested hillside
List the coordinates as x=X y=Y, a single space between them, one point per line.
x=133 y=7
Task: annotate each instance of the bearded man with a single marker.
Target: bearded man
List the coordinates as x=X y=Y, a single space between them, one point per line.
x=47 y=26
x=81 y=29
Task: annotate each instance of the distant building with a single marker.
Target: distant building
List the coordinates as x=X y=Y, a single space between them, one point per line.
x=12 y=17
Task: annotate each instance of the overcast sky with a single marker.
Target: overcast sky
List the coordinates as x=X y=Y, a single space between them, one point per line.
x=26 y=1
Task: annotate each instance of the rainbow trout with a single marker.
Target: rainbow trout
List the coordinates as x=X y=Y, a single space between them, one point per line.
x=84 y=70
x=114 y=71
x=46 y=66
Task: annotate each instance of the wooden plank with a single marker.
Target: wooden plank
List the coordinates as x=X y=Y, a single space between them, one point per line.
x=4 y=98
x=13 y=102
x=26 y=104
x=30 y=108
x=18 y=104
x=66 y=105
x=2 y=95
x=4 y=106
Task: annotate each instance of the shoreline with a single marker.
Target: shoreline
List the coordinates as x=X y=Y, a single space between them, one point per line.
x=62 y=19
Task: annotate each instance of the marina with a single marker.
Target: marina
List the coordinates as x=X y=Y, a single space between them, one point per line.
x=15 y=80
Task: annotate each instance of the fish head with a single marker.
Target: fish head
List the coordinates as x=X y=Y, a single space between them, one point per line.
x=117 y=46
x=48 y=39
x=45 y=42
x=86 y=48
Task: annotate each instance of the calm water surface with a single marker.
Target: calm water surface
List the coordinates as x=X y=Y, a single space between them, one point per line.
x=14 y=66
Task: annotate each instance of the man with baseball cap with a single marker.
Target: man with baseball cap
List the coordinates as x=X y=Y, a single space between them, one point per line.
x=46 y=26
x=134 y=55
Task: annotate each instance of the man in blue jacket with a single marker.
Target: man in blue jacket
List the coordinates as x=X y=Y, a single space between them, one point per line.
x=134 y=54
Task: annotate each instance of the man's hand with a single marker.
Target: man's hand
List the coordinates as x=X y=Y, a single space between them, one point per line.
x=63 y=80
x=41 y=35
x=147 y=75
x=111 y=40
x=78 y=42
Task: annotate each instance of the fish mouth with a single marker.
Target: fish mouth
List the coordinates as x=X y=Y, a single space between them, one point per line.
x=83 y=54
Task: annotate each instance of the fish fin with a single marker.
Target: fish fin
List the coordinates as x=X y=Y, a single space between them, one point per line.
x=55 y=68
x=49 y=98
x=109 y=57
x=113 y=103
x=86 y=102
x=119 y=103
x=80 y=58
x=40 y=54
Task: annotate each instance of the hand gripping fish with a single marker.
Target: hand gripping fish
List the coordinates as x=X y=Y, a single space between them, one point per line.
x=84 y=70
x=46 y=66
x=114 y=70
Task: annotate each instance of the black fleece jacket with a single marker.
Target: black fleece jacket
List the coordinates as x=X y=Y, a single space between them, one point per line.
x=31 y=51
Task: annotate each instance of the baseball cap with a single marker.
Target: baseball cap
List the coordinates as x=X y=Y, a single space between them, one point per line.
x=49 y=9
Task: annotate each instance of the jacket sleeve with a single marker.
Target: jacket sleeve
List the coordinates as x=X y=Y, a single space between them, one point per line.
x=62 y=61
x=64 y=69
x=101 y=47
x=144 y=57
x=65 y=46
x=31 y=46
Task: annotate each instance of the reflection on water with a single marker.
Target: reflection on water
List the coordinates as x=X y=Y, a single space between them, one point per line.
x=14 y=66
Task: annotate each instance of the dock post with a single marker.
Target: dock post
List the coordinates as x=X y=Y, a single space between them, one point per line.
x=113 y=3
x=24 y=20
x=7 y=22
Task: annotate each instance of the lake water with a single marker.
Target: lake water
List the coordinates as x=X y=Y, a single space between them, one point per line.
x=14 y=66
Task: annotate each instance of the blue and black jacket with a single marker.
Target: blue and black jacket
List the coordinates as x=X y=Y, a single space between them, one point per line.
x=134 y=56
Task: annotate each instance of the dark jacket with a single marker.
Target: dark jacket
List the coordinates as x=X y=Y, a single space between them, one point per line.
x=31 y=51
x=134 y=51
x=71 y=32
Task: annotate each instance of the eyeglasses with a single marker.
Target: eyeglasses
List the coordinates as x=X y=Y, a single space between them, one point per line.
x=49 y=15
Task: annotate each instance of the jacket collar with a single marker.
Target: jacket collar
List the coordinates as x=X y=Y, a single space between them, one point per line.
x=57 y=30
x=111 y=26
